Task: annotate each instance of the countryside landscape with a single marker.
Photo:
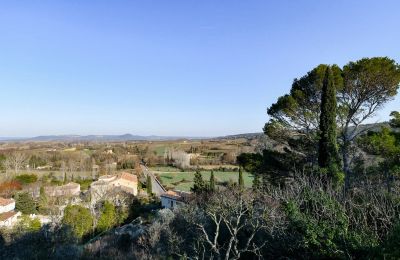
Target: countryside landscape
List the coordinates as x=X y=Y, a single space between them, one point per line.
x=199 y=130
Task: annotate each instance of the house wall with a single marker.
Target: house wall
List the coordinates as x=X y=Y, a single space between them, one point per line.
x=169 y=203
x=7 y=208
x=129 y=185
x=10 y=221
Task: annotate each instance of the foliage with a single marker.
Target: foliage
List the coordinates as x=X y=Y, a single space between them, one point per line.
x=395 y=121
x=250 y=162
x=108 y=217
x=36 y=161
x=391 y=247
x=199 y=184
x=27 y=224
x=79 y=219
x=241 y=180
x=363 y=87
x=149 y=186
x=256 y=182
x=26 y=178
x=25 y=203
x=85 y=183
x=212 y=181
x=327 y=149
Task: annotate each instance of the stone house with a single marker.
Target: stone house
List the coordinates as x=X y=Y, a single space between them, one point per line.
x=8 y=216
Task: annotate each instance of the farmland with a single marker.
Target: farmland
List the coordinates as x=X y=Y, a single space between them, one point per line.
x=172 y=178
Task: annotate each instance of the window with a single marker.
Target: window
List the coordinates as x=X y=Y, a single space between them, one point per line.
x=172 y=203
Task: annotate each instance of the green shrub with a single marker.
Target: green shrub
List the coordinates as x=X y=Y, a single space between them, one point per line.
x=25 y=203
x=26 y=178
x=79 y=219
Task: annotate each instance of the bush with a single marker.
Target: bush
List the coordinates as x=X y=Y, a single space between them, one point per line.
x=26 y=178
x=78 y=219
x=25 y=203
x=108 y=217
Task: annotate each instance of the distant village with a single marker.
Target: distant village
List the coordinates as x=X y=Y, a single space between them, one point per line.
x=103 y=188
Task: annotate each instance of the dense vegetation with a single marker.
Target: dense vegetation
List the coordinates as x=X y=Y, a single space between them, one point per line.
x=327 y=187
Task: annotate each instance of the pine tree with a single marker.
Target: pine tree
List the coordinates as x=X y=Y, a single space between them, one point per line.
x=199 y=185
x=241 y=181
x=327 y=151
x=149 y=186
x=212 y=181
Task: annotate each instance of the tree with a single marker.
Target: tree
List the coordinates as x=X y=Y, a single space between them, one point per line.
x=395 y=121
x=25 y=203
x=78 y=219
x=149 y=186
x=327 y=149
x=363 y=87
x=212 y=181
x=368 y=84
x=108 y=217
x=15 y=162
x=386 y=145
x=228 y=225
x=199 y=185
x=250 y=162
x=293 y=125
x=43 y=200
x=241 y=180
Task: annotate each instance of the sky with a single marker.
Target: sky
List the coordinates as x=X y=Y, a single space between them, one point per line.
x=176 y=67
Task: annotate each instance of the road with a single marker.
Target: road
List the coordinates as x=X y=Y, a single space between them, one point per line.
x=158 y=189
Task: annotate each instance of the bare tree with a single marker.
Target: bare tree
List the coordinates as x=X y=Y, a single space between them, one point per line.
x=180 y=158
x=15 y=162
x=228 y=224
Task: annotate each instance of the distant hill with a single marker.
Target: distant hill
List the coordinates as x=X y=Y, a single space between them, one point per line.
x=95 y=138
x=130 y=137
x=249 y=136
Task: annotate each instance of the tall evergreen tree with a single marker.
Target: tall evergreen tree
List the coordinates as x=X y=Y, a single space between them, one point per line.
x=199 y=185
x=241 y=180
x=328 y=157
x=149 y=186
x=212 y=181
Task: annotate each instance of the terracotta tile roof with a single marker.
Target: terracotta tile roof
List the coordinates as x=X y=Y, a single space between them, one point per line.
x=172 y=195
x=7 y=215
x=129 y=177
x=5 y=202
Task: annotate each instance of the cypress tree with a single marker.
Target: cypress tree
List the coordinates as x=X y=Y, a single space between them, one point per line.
x=212 y=181
x=241 y=181
x=199 y=184
x=149 y=186
x=327 y=151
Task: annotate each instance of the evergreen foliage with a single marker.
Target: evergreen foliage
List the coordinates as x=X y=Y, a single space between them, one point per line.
x=328 y=157
x=108 y=217
x=26 y=178
x=241 y=180
x=199 y=184
x=79 y=219
x=212 y=181
x=25 y=203
x=149 y=185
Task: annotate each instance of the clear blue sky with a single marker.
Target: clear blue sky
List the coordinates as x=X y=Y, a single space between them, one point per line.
x=176 y=67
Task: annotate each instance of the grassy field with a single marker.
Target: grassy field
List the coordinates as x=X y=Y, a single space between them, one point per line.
x=184 y=180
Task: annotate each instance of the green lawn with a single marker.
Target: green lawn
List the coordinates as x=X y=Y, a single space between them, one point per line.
x=184 y=180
